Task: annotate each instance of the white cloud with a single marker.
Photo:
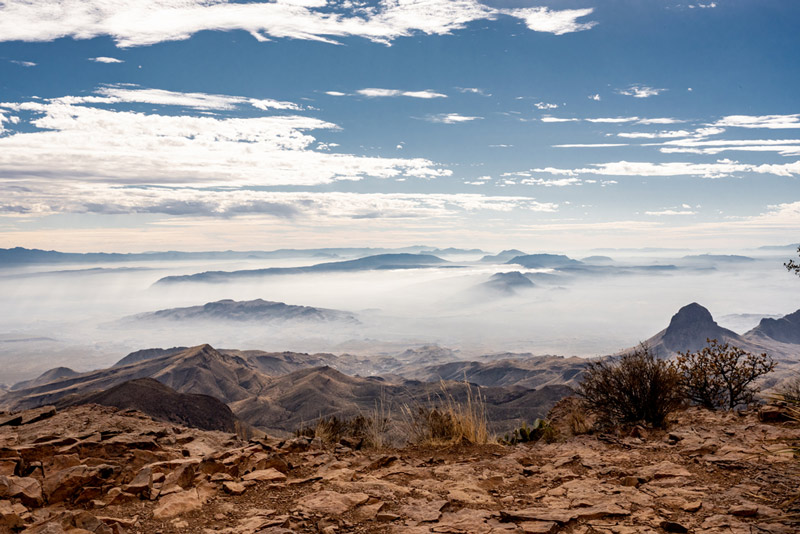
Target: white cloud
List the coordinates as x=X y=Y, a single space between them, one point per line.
x=548 y=118
x=372 y=92
x=103 y=59
x=83 y=143
x=591 y=145
x=710 y=5
x=545 y=105
x=784 y=147
x=613 y=120
x=773 y=122
x=146 y=22
x=720 y=169
x=40 y=199
x=595 y=97
x=559 y=182
x=655 y=135
x=335 y=93
x=640 y=91
x=542 y=19
x=473 y=90
x=450 y=118
x=23 y=63
x=132 y=93
x=660 y=120
x=671 y=212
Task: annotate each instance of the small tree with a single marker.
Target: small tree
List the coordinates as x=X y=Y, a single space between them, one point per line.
x=721 y=375
x=793 y=266
x=636 y=387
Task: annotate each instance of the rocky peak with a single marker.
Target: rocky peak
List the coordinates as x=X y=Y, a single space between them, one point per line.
x=691 y=326
x=786 y=329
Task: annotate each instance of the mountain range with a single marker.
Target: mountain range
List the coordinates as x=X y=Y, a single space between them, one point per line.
x=368 y=263
x=280 y=391
x=257 y=310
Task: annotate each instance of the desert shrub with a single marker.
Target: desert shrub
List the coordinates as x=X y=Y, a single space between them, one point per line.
x=789 y=390
x=446 y=421
x=633 y=388
x=541 y=429
x=569 y=417
x=359 y=430
x=721 y=376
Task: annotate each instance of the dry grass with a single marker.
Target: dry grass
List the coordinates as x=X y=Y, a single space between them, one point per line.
x=447 y=421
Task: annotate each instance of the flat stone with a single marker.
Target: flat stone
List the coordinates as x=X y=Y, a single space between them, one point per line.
x=26 y=489
x=265 y=475
x=331 y=503
x=538 y=527
x=177 y=504
x=234 y=488
x=564 y=515
x=744 y=510
x=422 y=510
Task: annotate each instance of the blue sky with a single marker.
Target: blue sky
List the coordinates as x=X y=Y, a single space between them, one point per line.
x=143 y=125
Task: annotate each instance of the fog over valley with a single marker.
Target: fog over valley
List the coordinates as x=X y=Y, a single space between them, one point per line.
x=87 y=312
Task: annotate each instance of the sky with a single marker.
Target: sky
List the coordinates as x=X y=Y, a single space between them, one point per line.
x=133 y=125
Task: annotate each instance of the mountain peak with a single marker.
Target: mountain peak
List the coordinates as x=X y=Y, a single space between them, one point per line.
x=689 y=329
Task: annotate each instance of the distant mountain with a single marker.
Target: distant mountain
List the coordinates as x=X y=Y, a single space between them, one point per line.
x=23 y=256
x=452 y=251
x=604 y=260
x=46 y=377
x=531 y=372
x=165 y=404
x=688 y=330
x=202 y=370
x=272 y=403
x=507 y=283
x=718 y=258
x=302 y=397
x=246 y=311
x=780 y=248
x=369 y=263
x=785 y=329
x=502 y=257
x=543 y=261
x=148 y=354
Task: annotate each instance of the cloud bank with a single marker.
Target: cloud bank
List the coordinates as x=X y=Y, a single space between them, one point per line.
x=146 y=22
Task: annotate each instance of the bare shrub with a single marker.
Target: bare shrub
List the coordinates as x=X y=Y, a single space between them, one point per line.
x=721 y=376
x=634 y=388
x=448 y=421
x=569 y=417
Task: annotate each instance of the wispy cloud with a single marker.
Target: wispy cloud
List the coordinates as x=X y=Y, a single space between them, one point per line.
x=191 y=202
x=548 y=118
x=450 y=118
x=670 y=211
x=146 y=22
x=132 y=93
x=372 y=92
x=104 y=59
x=772 y=122
x=23 y=63
x=545 y=105
x=473 y=90
x=595 y=97
x=75 y=140
x=591 y=145
x=640 y=91
x=719 y=169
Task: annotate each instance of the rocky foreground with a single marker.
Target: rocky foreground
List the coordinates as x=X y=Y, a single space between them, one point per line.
x=97 y=469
